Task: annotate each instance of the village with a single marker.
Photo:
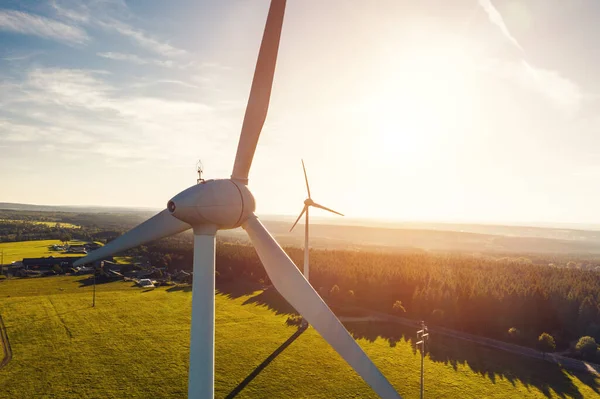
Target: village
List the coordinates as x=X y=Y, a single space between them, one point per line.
x=141 y=272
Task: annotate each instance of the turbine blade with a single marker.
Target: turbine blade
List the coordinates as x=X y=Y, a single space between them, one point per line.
x=260 y=93
x=306 y=179
x=327 y=209
x=158 y=226
x=297 y=220
x=290 y=283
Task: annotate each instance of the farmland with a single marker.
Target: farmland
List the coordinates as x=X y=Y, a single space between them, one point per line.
x=135 y=343
x=14 y=251
x=40 y=222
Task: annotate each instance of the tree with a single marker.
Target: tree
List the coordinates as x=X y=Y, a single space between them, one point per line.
x=65 y=238
x=587 y=347
x=546 y=342
x=398 y=308
x=514 y=333
x=350 y=297
x=334 y=292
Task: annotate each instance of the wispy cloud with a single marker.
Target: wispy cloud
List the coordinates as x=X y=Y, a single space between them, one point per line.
x=80 y=109
x=141 y=38
x=167 y=81
x=560 y=90
x=36 y=25
x=100 y=15
x=136 y=59
x=496 y=18
x=21 y=56
x=76 y=11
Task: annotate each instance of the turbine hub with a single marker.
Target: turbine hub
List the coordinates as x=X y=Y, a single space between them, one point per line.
x=308 y=202
x=222 y=202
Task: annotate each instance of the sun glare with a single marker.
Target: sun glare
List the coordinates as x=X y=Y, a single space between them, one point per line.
x=420 y=100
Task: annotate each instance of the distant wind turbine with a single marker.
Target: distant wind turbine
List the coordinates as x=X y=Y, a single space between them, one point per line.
x=219 y=204
x=307 y=204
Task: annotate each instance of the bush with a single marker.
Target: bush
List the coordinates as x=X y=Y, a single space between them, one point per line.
x=398 y=307
x=546 y=342
x=514 y=332
x=587 y=347
x=335 y=291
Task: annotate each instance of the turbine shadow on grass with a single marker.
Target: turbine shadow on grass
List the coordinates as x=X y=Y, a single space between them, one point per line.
x=487 y=362
x=89 y=281
x=493 y=364
x=183 y=287
x=268 y=297
x=265 y=363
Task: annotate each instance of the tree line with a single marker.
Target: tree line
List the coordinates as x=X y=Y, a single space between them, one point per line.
x=506 y=298
x=495 y=298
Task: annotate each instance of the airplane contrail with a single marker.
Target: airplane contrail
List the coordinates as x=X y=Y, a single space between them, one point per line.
x=497 y=20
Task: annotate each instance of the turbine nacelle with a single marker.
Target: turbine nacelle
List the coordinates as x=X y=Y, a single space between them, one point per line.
x=224 y=203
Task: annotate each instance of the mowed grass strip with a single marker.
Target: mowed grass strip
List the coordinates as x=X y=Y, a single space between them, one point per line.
x=135 y=343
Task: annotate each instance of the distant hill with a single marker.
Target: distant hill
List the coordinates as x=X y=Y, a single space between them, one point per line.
x=530 y=240
x=71 y=208
x=348 y=233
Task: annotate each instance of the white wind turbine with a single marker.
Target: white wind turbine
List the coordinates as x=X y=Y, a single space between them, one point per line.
x=218 y=204
x=307 y=204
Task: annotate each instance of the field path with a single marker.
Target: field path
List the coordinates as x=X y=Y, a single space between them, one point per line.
x=5 y=344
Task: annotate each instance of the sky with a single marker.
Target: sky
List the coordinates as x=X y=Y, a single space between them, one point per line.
x=463 y=111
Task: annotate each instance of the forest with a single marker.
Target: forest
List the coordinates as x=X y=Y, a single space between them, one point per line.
x=515 y=299
x=499 y=298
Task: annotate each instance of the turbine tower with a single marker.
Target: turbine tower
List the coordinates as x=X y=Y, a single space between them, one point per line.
x=307 y=204
x=219 y=204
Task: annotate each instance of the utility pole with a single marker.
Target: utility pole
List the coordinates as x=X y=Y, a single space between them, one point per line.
x=423 y=335
x=2 y=263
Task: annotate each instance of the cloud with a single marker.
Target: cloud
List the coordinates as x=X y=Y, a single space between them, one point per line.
x=83 y=113
x=77 y=12
x=35 y=25
x=563 y=92
x=102 y=14
x=142 y=39
x=167 y=81
x=136 y=59
x=23 y=56
x=497 y=20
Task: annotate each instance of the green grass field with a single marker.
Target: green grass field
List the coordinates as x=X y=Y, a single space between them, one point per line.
x=135 y=343
x=14 y=251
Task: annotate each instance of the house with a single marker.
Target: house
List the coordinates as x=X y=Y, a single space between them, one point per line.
x=146 y=283
x=108 y=265
x=48 y=263
x=91 y=246
x=77 y=249
x=182 y=277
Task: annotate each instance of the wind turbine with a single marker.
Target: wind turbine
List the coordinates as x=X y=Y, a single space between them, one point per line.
x=219 y=204
x=307 y=204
